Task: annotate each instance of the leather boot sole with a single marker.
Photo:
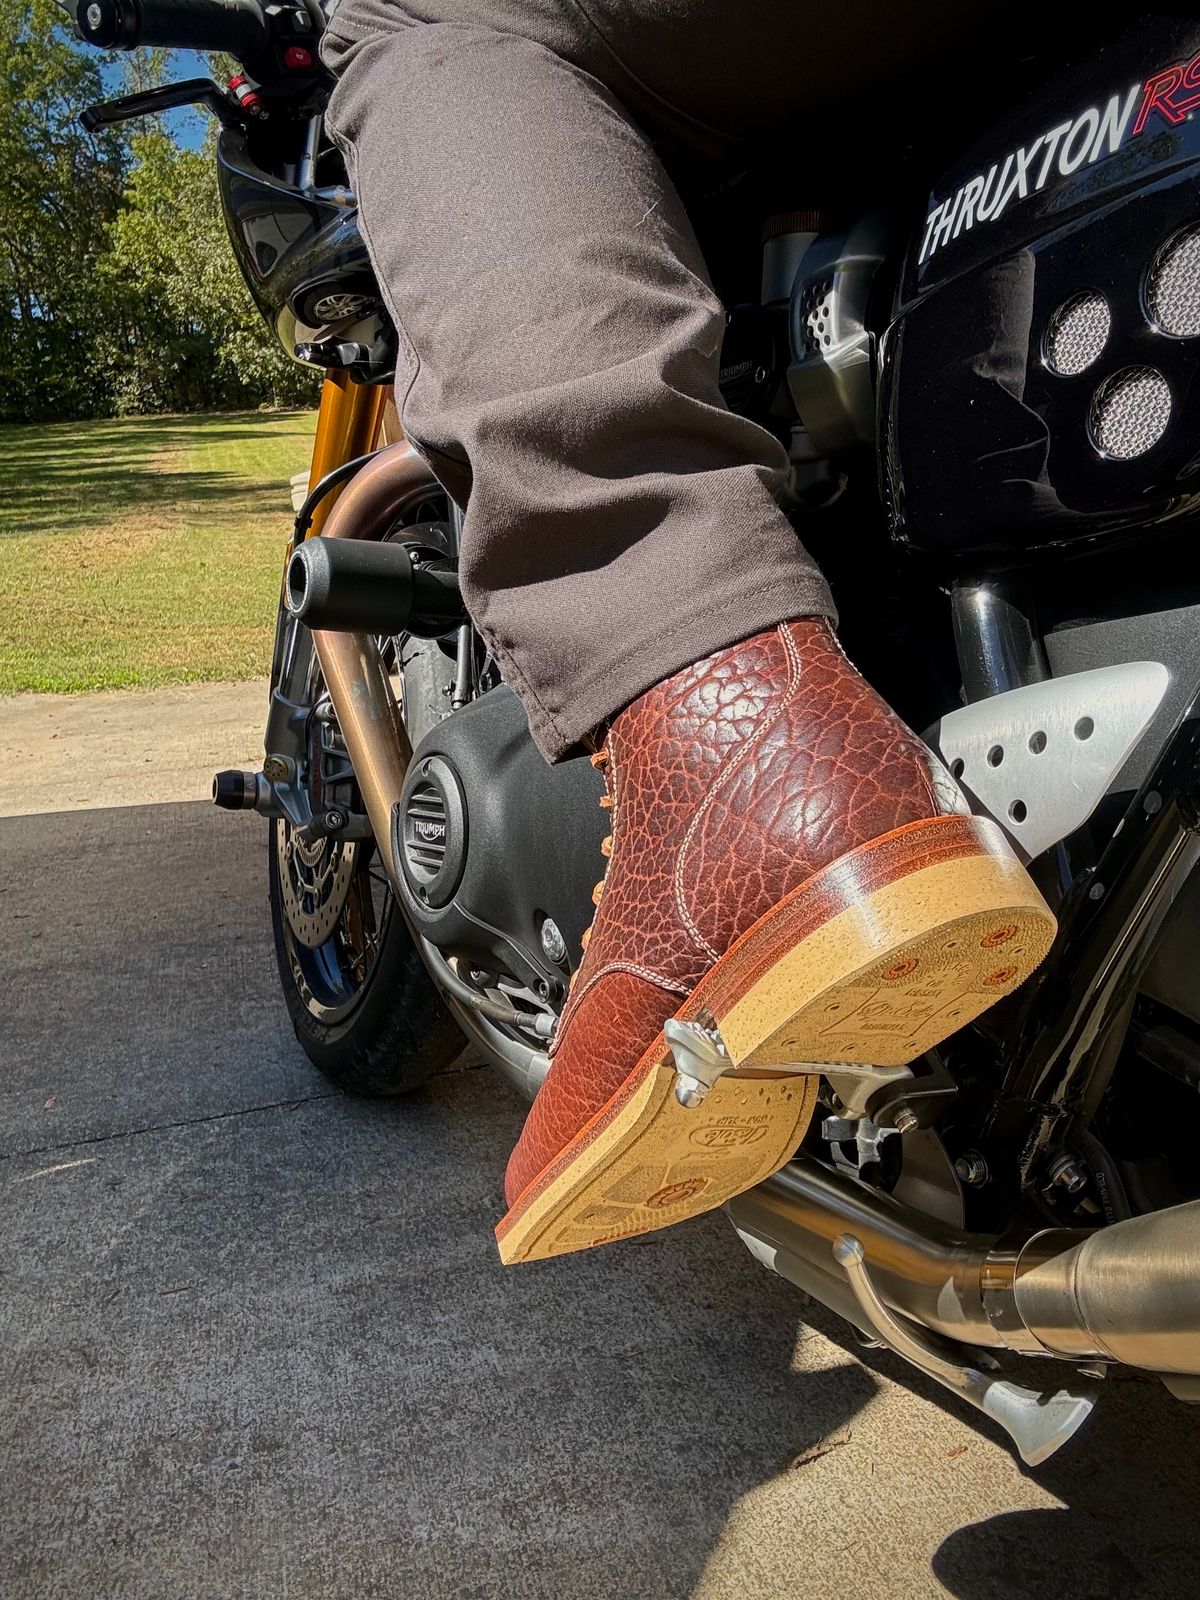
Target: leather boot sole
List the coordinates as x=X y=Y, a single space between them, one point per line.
x=876 y=959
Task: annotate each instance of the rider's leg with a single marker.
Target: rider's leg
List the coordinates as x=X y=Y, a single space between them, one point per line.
x=561 y=343
x=785 y=855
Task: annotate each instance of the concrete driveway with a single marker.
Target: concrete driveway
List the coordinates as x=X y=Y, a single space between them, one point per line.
x=255 y=1340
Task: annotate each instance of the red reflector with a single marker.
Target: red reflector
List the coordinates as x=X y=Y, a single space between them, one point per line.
x=297 y=57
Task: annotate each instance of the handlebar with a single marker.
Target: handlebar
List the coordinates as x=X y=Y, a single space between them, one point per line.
x=236 y=26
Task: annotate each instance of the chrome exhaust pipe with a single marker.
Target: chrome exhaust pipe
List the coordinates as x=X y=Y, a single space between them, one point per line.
x=921 y=1267
x=945 y=1299
x=1129 y=1292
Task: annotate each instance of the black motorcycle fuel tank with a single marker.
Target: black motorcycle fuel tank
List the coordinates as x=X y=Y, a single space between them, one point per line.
x=1040 y=377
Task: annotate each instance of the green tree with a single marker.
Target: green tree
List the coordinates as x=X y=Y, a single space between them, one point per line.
x=190 y=335
x=118 y=289
x=61 y=189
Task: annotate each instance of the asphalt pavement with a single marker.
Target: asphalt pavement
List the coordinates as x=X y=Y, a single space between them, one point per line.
x=255 y=1340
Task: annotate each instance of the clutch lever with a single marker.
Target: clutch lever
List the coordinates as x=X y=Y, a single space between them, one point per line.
x=169 y=96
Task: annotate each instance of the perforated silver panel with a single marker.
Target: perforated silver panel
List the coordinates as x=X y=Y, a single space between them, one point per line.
x=817 y=307
x=1077 y=333
x=1130 y=412
x=1173 y=288
x=1039 y=759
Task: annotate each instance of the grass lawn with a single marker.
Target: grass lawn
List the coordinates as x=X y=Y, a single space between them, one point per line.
x=143 y=551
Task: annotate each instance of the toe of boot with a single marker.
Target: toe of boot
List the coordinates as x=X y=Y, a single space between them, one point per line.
x=611 y=1028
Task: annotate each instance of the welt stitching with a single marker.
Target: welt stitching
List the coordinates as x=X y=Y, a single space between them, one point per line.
x=635 y=971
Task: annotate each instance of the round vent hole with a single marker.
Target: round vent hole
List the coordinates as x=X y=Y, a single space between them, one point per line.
x=1173 y=286
x=1018 y=811
x=1037 y=742
x=995 y=755
x=1077 y=333
x=957 y=767
x=1130 y=413
x=1084 y=728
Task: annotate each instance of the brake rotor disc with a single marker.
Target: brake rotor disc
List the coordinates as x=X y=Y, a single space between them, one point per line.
x=315 y=876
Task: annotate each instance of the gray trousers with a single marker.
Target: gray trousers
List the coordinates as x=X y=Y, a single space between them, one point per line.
x=559 y=334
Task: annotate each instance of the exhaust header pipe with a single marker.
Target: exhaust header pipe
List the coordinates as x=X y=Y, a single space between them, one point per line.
x=361 y=586
x=1129 y=1292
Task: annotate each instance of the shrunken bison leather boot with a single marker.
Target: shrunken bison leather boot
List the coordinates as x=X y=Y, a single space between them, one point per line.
x=795 y=872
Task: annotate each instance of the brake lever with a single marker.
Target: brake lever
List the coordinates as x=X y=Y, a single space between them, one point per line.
x=147 y=103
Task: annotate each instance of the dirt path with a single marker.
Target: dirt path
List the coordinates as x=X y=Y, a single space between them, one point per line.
x=125 y=747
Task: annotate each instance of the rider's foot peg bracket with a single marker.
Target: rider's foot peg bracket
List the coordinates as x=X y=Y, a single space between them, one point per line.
x=701 y=1056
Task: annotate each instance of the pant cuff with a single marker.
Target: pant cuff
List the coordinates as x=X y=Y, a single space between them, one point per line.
x=643 y=662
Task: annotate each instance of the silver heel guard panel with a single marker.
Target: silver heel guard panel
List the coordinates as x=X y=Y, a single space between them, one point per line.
x=1040 y=759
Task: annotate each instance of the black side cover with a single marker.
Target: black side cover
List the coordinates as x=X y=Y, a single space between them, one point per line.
x=519 y=840
x=1040 y=380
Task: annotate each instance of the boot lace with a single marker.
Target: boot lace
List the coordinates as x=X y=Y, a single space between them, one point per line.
x=600 y=761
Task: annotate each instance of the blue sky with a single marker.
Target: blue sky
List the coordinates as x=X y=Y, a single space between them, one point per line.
x=188 y=126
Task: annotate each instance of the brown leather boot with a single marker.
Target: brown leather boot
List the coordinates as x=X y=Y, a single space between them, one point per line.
x=789 y=860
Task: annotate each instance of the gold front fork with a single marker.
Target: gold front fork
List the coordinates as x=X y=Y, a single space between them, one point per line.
x=348 y=425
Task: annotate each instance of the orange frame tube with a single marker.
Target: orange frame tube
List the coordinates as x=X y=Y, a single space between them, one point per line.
x=348 y=425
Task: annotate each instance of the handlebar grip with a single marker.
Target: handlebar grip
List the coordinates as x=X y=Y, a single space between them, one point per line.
x=237 y=26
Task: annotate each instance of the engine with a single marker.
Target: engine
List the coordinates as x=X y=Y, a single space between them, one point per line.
x=499 y=851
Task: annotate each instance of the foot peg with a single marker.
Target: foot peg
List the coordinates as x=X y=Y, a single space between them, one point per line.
x=700 y=1056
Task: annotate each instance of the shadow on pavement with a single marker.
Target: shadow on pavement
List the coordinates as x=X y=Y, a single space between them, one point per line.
x=255 y=1339
x=1129 y=1488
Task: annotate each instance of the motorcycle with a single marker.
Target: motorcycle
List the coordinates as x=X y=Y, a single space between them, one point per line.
x=987 y=384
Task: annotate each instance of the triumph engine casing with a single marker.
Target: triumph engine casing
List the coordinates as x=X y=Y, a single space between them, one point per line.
x=492 y=841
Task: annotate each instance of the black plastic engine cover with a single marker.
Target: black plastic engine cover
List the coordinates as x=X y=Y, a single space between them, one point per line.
x=492 y=842
x=1084 y=205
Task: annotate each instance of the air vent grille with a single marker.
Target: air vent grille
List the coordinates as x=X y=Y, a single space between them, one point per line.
x=1173 y=287
x=1130 y=413
x=1077 y=333
x=425 y=831
x=816 y=306
x=429 y=833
